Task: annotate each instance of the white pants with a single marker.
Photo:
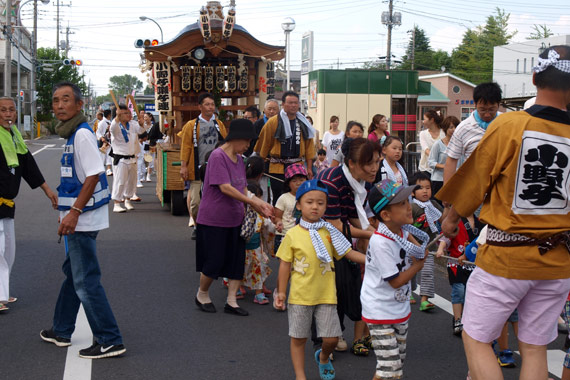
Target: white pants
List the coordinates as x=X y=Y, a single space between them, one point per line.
x=124 y=180
x=7 y=256
x=141 y=168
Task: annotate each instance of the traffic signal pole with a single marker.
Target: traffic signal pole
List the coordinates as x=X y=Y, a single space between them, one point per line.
x=8 y=49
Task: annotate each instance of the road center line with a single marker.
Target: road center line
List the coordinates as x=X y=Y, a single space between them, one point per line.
x=77 y=368
x=555 y=357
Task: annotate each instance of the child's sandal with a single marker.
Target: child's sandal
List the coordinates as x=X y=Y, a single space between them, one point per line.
x=326 y=371
x=3 y=307
x=426 y=305
x=359 y=348
x=367 y=340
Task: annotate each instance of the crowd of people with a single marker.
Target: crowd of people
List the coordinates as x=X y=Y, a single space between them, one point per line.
x=352 y=230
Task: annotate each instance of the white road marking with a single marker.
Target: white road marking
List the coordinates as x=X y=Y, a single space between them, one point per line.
x=555 y=357
x=77 y=368
x=44 y=147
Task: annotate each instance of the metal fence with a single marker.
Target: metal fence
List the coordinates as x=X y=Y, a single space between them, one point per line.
x=410 y=158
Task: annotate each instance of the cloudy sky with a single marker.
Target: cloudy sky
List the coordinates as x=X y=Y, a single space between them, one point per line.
x=347 y=33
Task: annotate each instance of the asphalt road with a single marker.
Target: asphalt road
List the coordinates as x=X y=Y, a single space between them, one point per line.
x=148 y=266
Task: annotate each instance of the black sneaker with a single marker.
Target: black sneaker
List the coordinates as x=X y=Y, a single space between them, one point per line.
x=98 y=351
x=193 y=236
x=49 y=336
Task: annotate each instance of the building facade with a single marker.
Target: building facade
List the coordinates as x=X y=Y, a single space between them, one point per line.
x=512 y=68
x=358 y=95
x=455 y=96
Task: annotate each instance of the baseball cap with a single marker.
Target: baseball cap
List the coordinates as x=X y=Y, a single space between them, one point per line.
x=295 y=169
x=387 y=192
x=313 y=184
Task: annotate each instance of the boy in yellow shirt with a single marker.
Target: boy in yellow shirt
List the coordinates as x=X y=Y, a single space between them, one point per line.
x=306 y=254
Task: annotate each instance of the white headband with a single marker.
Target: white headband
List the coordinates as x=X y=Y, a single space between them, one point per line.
x=552 y=60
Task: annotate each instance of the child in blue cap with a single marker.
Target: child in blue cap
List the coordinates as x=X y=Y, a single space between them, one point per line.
x=306 y=254
x=392 y=259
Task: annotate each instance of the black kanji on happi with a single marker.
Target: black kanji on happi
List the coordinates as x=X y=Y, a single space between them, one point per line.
x=544 y=174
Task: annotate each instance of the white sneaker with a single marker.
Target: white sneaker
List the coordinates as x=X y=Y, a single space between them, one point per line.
x=109 y=172
x=139 y=185
x=341 y=345
x=129 y=205
x=148 y=177
x=119 y=208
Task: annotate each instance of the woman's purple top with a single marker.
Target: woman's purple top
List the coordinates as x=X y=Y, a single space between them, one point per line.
x=216 y=208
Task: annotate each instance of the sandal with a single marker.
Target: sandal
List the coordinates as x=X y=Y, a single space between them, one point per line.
x=326 y=371
x=367 y=340
x=412 y=299
x=260 y=299
x=3 y=307
x=359 y=348
x=426 y=306
x=12 y=299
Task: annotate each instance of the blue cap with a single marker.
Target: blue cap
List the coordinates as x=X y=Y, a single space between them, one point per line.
x=313 y=184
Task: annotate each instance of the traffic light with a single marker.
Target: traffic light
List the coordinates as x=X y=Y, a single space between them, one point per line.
x=72 y=62
x=144 y=43
x=21 y=95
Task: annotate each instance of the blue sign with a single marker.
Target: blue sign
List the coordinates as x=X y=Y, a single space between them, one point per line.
x=149 y=107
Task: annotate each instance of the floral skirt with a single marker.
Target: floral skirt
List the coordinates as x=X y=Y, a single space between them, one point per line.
x=256 y=268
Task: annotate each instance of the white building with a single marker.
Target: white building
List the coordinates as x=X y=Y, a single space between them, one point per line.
x=512 y=67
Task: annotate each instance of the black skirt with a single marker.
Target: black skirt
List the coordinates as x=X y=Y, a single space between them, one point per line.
x=220 y=252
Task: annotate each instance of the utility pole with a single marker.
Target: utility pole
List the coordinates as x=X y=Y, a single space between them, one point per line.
x=34 y=67
x=57 y=30
x=8 y=49
x=67 y=33
x=390 y=19
x=389 y=52
x=413 y=46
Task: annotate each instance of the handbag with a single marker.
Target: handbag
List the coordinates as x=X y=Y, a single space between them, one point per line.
x=248 y=224
x=348 y=283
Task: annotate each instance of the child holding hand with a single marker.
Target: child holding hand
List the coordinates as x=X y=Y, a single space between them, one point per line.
x=306 y=254
x=392 y=259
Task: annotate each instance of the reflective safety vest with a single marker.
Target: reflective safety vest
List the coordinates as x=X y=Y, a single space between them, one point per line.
x=70 y=186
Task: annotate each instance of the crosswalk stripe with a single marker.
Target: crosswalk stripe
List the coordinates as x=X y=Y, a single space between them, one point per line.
x=77 y=368
x=555 y=357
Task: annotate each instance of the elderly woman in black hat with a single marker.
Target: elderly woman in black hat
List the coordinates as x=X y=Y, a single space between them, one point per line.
x=220 y=250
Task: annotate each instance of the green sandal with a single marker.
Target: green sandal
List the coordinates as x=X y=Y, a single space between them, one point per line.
x=426 y=306
x=359 y=348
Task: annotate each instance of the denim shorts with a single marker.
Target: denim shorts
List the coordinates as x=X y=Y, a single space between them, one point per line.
x=458 y=293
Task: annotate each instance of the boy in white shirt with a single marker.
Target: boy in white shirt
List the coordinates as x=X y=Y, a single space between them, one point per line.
x=392 y=259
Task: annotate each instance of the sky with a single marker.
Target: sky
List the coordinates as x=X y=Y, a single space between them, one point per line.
x=346 y=33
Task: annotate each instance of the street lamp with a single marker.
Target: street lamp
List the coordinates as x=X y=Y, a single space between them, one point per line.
x=33 y=48
x=144 y=18
x=288 y=25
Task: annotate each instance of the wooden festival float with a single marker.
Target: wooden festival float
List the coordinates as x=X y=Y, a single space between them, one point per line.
x=212 y=55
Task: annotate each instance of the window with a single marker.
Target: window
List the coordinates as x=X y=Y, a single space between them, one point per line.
x=524 y=66
x=532 y=63
x=517 y=66
x=465 y=112
x=456 y=89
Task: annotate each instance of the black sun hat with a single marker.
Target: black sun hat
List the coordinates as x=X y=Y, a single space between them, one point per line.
x=241 y=129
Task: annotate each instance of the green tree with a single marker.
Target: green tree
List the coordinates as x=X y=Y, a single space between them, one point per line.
x=540 y=32
x=103 y=98
x=148 y=90
x=52 y=71
x=419 y=49
x=124 y=84
x=473 y=58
